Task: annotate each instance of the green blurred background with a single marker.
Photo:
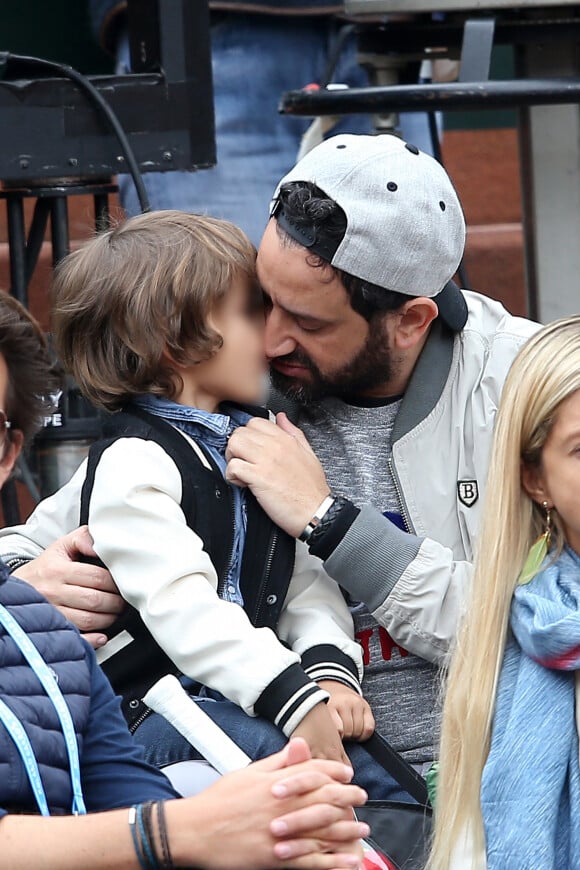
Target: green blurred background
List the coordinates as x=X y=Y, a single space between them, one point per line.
x=54 y=29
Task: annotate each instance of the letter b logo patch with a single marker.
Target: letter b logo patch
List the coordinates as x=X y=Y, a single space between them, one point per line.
x=468 y=492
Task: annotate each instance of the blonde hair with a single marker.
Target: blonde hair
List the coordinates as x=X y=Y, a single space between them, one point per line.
x=134 y=301
x=545 y=372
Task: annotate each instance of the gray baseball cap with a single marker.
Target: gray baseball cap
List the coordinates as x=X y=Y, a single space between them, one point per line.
x=405 y=226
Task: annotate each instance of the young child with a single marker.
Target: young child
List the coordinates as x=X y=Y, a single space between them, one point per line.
x=161 y=318
x=61 y=795
x=508 y=794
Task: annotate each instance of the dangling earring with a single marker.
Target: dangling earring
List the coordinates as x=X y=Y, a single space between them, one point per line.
x=548 y=531
x=538 y=551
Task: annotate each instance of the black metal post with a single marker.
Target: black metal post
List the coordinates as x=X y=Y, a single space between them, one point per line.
x=36 y=236
x=17 y=246
x=59 y=228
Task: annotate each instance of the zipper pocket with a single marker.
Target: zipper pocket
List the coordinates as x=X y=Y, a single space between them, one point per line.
x=399 y=491
x=223 y=581
x=140 y=719
x=265 y=576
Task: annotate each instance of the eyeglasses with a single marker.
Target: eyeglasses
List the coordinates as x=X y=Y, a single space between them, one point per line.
x=5 y=426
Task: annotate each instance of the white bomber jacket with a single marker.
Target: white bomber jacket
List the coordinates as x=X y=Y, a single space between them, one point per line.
x=414 y=583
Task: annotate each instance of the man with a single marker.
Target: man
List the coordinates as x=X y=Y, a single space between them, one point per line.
x=394 y=376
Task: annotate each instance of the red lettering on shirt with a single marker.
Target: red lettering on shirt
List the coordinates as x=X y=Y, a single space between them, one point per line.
x=386 y=642
x=363 y=638
x=388 y=645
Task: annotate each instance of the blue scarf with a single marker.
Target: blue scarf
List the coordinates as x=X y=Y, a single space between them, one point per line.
x=530 y=788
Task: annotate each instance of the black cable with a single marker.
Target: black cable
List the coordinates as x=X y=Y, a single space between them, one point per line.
x=96 y=97
x=341 y=37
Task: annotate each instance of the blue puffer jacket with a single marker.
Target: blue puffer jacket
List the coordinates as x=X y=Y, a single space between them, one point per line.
x=106 y=15
x=63 y=650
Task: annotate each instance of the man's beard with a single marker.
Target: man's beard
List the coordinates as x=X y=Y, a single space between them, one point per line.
x=372 y=366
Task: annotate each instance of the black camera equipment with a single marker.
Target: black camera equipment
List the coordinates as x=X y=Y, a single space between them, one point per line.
x=65 y=134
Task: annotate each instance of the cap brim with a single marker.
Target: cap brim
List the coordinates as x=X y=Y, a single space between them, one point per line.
x=452 y=306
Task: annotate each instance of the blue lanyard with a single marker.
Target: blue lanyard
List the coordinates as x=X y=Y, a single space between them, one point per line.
x=20 y=738
x=49 y=684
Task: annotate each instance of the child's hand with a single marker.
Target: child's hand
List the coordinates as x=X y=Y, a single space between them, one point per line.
x=353 y=712
x=319 y=730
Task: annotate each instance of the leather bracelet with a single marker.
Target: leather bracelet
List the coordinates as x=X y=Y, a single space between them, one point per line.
x=338 y=504
x=319 y=515
x=162 y=827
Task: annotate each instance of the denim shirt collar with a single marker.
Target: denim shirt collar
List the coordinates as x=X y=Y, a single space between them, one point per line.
x=211 y=429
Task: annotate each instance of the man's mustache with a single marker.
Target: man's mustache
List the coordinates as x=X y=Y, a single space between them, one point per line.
x=294 y=358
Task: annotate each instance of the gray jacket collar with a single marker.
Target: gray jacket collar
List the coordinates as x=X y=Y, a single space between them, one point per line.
x=427 y=380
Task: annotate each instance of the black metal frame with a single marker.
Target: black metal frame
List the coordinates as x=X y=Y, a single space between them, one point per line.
x=454 y=96
x=51 y=205
x=57 y=143
x=423 y=38
x=165 y=112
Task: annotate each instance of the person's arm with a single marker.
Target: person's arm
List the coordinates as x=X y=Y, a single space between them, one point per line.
x=317 y=623
x=45 y=552
x=412 y=586
x=163 y=570
x=113 y=770
x=283 y=809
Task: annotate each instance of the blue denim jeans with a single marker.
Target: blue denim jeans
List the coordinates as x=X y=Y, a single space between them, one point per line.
x=258 y=738
x=256 y=58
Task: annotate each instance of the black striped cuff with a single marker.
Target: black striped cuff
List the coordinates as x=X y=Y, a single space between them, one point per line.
x=288 y=699
x=327 y=662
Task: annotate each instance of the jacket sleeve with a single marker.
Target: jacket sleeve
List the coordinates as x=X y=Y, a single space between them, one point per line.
x=411 y=585
x=162 y=569
x=53 y=517
x=317 y=623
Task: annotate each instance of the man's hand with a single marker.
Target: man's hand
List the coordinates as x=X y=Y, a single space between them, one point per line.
x=85 y=594
x=319 y=729
x=279 y=466
x=353 y=715
x=284 y=811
